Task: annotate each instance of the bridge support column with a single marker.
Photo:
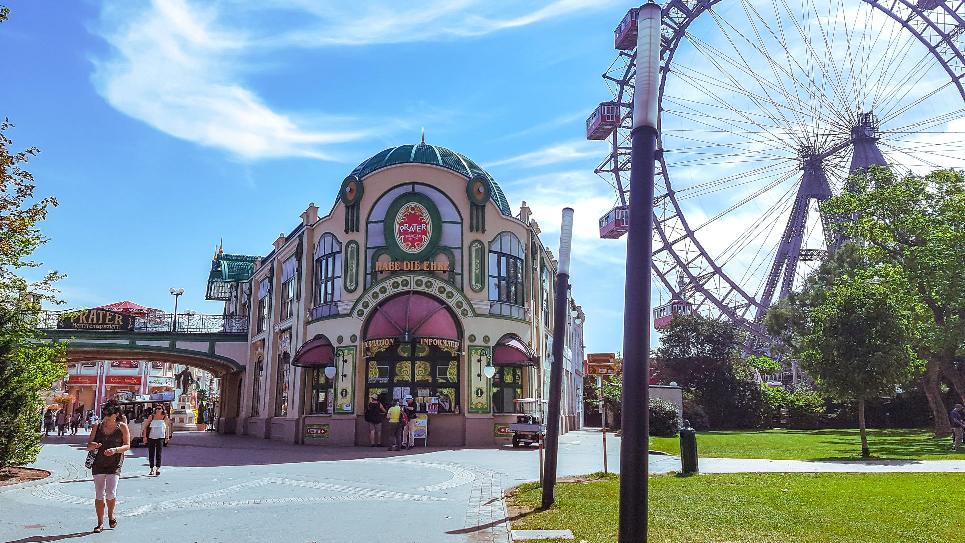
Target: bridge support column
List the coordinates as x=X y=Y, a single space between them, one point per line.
x=230 y=402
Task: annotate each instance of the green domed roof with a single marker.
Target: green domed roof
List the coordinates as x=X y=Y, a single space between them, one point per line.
x=423 y=153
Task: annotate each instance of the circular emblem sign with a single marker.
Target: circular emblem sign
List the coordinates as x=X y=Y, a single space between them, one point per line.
x=413 y=228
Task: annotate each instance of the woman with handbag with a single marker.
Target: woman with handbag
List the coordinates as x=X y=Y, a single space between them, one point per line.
x=108 y=441
x=156 y=431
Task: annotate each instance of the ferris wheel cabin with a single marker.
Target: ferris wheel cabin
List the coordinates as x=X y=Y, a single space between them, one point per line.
x=615 y=223
x=602 y=121
x=625 y=35
x=662 y=315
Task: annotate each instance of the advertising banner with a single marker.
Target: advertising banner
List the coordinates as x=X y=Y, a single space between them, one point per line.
x=127 y=364
x=159 y=381
x=316 y=432
x=82 y=380
x=95 y=319
x=420 y=429
x=124 y=380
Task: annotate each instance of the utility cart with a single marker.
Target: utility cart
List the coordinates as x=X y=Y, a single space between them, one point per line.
x=528 y=428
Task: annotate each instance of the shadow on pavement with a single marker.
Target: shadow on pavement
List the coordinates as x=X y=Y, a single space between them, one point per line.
x=208 y=449
x=42 y=538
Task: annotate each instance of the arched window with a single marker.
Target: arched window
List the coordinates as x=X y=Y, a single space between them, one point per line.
x=328 y=276
x=506 y=271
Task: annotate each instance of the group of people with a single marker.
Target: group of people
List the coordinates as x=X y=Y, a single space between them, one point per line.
x=400 y=417
x=109 y=439
x=61 y=422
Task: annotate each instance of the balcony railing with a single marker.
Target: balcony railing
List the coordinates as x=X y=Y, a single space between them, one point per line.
x=187 y=323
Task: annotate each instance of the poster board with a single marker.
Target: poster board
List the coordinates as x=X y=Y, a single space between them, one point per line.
x=420 y=428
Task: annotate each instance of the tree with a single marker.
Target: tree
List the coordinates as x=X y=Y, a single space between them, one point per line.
x=27 y=366
x=858 y=345
x=917 y=225
x=704 y=356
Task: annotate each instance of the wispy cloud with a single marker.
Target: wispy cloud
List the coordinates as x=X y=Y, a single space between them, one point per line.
x=553 y=154
x=179 y=66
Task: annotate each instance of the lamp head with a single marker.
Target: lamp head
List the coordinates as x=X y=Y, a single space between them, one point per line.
x=177 y=291
x=490 y=371
x=330 y=372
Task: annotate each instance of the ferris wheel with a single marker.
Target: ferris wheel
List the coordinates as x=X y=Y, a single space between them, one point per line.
x=765 y=108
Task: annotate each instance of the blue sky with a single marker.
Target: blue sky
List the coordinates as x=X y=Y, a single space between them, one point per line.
x=166 y=126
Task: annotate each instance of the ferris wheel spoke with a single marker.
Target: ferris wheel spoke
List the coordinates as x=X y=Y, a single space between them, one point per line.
x=727 y=126
x=707 y=187
x=921 y=161
x=770 y=217
x=922 y=126
x=744 y=201
x=888 y=88
x=893 y=113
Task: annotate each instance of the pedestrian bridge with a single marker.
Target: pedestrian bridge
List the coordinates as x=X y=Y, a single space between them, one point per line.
x=214 y=343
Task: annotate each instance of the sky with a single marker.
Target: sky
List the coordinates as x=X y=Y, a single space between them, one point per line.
x=166 y=127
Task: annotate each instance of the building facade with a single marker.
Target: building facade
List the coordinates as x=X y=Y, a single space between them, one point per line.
x=417 y=280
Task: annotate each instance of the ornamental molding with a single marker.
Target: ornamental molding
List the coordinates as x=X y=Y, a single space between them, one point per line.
x=427 y=284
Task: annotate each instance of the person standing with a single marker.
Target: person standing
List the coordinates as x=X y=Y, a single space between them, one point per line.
x=375 y=416
x=111 y=439
x=75 y=423
x=48 y=422
x=61 y=422
x=409 y=409
x=156 y=431
x=957 y=418
x=395 y=425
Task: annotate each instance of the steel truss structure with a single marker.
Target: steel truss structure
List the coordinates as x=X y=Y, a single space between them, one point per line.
x=765 y=109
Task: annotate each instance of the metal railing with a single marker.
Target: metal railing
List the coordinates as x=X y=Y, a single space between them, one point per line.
x=187 y=323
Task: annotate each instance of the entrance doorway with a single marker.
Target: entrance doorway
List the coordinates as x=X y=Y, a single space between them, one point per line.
x=412 y=348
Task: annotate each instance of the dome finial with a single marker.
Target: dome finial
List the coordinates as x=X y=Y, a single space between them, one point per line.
x=423 y=135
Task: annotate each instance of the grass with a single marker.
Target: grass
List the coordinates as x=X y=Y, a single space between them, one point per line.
x=816 y=445
x=762 y=508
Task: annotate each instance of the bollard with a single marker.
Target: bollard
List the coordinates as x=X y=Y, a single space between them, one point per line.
x=688 y=449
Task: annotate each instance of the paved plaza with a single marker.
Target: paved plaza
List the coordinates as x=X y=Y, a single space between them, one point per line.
x=230 y=488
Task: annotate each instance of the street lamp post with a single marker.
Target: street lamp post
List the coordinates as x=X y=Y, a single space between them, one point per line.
x=636 y=320
x=556 y=369
x=176 y=292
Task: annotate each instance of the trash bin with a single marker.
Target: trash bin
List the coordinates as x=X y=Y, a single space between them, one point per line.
x=688 y=449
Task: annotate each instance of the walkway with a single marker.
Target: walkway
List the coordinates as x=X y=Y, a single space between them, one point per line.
x=228 y=488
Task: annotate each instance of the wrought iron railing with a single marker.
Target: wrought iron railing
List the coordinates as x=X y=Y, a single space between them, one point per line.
x=187 y=323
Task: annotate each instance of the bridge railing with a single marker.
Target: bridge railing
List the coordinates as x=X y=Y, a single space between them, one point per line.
x=187 y=323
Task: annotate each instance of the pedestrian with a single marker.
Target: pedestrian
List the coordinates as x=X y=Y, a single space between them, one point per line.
x=88 y=420
x=957 y=417
x=61 y=422
x=395 y=425
x=156 y=431
x=75 y=423
x=375 y=416
x=111 y=439
x=48 y=422
x=408 y=415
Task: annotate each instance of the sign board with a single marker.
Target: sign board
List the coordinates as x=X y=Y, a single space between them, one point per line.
x=413 y=227
x=95 y=319
x=163 y=396
x=420 y=427
x=501 y=431
x=123 y=380
x=82 y=380
x=315 y=433
x=160 y=381
x=129 y=364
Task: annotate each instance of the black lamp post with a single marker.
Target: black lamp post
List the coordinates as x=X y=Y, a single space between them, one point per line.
x=556 y=369
x=636 y=320
x=176 y=292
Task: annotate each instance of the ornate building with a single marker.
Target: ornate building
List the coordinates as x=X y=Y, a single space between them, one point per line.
x=415 y=281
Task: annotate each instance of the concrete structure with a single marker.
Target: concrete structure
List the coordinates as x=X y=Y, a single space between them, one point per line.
x=416 y=280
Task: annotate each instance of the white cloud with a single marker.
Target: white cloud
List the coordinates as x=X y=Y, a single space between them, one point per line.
x=553 y=154
x=178 y=65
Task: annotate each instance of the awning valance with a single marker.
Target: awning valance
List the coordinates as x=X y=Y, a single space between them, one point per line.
x=316 y=353
x=510 y=351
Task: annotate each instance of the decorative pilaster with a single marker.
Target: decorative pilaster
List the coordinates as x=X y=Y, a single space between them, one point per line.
x=345 y=380
x=480 y=389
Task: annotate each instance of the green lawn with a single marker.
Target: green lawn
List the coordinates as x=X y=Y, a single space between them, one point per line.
x=763 y=508
x=816 y=445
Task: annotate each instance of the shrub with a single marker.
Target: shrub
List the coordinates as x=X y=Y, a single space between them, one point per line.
x=664 y=418
x=694 y=412
x=805 y=408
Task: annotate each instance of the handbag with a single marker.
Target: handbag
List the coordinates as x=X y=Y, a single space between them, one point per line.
x=92 y=455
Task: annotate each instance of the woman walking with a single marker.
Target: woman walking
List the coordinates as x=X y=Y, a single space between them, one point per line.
x=111 y=439
x=156 y=430
x=48 y=422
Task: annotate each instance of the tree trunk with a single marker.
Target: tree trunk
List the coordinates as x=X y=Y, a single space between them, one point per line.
x=954 y=375
x=865 y=452
x=931 y=384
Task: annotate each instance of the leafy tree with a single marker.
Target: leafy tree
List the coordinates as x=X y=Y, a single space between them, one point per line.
x=27 y=366
x=704 y=356
x=858 y=344
x=917 y=225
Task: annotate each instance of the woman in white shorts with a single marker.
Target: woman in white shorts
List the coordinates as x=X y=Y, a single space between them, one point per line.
x=111 y=439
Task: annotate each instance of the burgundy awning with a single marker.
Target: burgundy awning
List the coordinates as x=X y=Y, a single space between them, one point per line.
x=510 y=351
x=316 y=353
